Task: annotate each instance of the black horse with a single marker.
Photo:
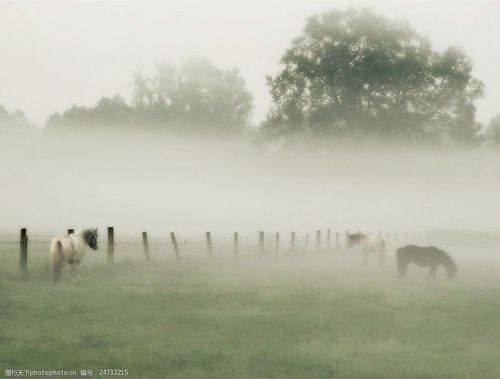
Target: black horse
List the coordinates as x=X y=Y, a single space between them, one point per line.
x=430 y=257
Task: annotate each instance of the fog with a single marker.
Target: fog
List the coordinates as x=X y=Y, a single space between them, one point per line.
x=57 y=54
x=166 y=182
x=157 y=117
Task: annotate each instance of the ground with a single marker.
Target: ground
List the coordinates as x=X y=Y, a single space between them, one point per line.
x=287 y=317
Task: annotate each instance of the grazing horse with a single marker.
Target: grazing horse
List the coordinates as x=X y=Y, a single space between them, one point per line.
x=430 y=257
x=71 y=250
x=368 y=244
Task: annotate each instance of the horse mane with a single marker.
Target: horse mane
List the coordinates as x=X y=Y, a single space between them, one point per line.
x=88 y=233
x=447 y=259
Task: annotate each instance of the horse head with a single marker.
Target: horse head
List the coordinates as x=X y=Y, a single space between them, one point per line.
x=451 y=269
x=90 y=237
x=447 y=262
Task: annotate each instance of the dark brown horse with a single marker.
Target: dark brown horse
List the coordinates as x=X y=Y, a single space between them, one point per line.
x=430 y=257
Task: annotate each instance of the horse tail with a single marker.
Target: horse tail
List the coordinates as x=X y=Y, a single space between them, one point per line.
x=57 y=260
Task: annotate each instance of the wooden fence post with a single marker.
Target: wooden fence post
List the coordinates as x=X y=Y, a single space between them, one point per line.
x=346 y=239
x=145 y=244
x=176 y=247
x=292 y=242
x=236 y=244
x=71 y=231
x=318 y=241
x=277 y=244
x=111 y=244
x=337 y=241
x=209 y=245
x=261 y=243
x=23 y=249
x=328 y=240
x=26 y=251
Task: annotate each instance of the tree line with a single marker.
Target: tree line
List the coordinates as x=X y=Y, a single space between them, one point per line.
x=13 y=120
x=197 y=95
x=350 y=73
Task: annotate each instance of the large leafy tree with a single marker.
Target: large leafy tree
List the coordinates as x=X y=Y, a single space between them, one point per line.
x=357 y=72
x=197 y=94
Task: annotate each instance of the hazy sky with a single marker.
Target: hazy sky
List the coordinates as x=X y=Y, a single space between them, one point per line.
x=54 y=54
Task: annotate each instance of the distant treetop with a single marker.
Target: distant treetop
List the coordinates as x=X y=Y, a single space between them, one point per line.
x=197 y=95
x=355 y=72
x=13 y=120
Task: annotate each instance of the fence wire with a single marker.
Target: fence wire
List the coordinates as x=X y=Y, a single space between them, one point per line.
x=161 y=248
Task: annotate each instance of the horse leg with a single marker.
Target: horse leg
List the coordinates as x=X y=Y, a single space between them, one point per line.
x=70 y=271
x=78 y=272
x=432 y=272
x=404 y=271
x=381 y=253
x=74 y=272
x=402 y=267
x=365 y=257
x=381 y=258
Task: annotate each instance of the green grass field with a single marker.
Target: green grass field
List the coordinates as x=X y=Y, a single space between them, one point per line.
x=255 y=318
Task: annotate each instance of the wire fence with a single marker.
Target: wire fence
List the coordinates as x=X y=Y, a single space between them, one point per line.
x=162 y=249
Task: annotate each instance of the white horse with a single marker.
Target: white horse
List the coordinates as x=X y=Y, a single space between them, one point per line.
x=373 y=244
x=369 y=244
x=71 y=249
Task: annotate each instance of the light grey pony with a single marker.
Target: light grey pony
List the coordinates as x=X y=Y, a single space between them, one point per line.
x=71 y=249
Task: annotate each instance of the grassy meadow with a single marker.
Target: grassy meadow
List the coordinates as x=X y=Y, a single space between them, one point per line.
x=288 y=317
